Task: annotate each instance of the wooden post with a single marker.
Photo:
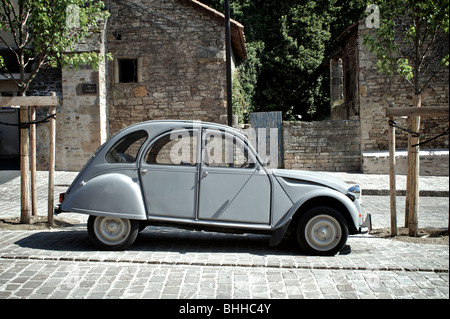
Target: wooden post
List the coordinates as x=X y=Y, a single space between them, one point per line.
x=392 y=184
x=24 y=168
x=33 y=161
x=25 y=102
x=51 y=164
x=415 y=172
x=408 y=181
x=412 y=185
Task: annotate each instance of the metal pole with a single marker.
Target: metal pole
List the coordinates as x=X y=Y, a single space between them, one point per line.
x=228 y=62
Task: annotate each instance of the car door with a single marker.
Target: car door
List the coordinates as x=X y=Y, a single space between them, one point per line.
x=233 y=185
x=169 y=175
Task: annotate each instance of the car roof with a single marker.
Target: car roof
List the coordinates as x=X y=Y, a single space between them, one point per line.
x=174 y=124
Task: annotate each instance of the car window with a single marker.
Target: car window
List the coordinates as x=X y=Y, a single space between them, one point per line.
x=127 y=148
x=175 y=148
x=225 y=150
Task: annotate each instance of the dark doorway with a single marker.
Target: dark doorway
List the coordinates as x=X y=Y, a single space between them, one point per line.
x=9 y=139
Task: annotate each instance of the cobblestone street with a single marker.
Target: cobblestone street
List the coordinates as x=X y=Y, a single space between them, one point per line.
x=179 y=264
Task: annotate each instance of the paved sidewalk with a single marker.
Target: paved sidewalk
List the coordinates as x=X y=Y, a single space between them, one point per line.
x=378 y=184
x=173 y=263
x=170 y=263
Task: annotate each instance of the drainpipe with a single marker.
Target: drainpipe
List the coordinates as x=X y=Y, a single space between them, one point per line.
x=228 y=62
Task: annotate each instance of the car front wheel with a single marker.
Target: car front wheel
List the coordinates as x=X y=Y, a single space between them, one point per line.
x=112 y=233
x=322 y=231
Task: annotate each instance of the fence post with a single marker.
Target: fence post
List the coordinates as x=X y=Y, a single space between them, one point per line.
x=51 y=163
x=392 y=184
x=33 y=161
x=24 y=168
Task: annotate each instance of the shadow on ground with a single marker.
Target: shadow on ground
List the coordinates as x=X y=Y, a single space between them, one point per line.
x=164 y=239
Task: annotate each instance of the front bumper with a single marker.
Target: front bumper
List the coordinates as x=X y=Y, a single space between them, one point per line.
x=366 y=226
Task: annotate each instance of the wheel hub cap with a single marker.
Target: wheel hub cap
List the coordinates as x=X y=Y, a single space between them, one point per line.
x=323 y=232
x=112 y=231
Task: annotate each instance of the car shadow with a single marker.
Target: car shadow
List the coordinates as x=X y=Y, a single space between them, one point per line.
x=165 y=239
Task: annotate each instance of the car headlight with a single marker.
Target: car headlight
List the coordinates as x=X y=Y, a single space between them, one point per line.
x=354 y=192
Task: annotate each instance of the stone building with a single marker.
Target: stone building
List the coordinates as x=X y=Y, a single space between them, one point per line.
x=168 y=63
x=360 y=93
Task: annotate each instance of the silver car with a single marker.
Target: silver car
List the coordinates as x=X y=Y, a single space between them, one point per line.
x=205 y=176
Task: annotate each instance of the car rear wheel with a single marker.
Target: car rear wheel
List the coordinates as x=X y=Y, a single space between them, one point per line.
x=322 y=231
x=112 y=233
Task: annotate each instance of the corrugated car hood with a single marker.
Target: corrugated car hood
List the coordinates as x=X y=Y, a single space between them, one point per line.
x=313 y=177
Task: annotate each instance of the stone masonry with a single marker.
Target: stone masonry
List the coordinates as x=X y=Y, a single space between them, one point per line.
x=322 y=146
x=81 y=118
x=168 y=63
x=179 y=52
x=376 y=91
x=359 y=92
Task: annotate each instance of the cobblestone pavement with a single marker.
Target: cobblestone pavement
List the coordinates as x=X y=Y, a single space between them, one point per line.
x=172 y=263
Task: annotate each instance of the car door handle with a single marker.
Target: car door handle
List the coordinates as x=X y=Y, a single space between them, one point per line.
x=144 y=171
x=204 y=175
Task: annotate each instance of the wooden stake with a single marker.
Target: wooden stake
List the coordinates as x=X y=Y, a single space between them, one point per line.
x=412 y=182
x=414 y=167
x=408 y=180
x=33 y=161
x=51 y=164
x=24 y=169
x=414 y=191
x=24 y=102
x=392 y=184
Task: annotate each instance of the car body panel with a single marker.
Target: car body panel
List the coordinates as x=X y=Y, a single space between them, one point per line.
x=170 y=191
x=302 y=186
x=114 y=193
x=242 y=195
x=310 y=178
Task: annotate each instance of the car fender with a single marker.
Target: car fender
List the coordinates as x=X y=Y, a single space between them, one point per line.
x=281 y=227
x=110 y=195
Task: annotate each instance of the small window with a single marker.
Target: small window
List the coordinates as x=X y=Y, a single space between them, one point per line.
x=175 y=148
x=128 y=70
x=224 y=150
x=127 y=148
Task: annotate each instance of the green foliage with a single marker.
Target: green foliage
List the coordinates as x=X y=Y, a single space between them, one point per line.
x=245 y=80
x=287 y=43
x=412 y=41
x=41 y=32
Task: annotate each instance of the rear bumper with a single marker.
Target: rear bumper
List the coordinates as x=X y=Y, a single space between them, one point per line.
x=57 y=210
x=366 y=226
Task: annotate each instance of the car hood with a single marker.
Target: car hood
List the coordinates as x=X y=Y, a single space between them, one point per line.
x=313 y=177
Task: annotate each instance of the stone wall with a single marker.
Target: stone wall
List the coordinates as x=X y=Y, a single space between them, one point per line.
x=47 y=80
x=376 y=91
x=81 y=125
x=334 y=146
x=180 y=54
x=343 y=78
x=322 y=146
x=432 y=162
